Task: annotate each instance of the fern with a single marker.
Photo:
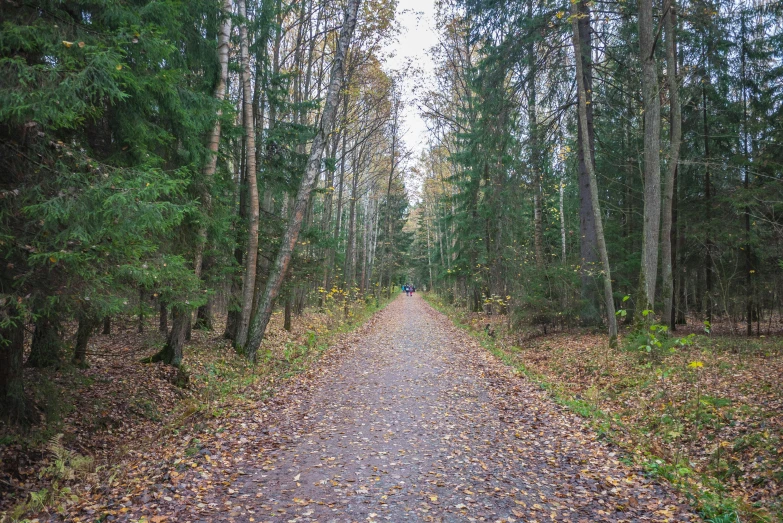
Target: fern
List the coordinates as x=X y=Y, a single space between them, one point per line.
x=67 y=465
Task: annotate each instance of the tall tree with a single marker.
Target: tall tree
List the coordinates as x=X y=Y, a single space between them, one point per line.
x=264 y=311
x=652 y=158
x=251 y=258
x=675 y=134
x=599 y=228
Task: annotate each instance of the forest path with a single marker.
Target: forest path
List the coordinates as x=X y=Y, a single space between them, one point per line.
x=415 y=422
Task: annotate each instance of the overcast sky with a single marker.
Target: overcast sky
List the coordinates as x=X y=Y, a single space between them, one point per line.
x=411 y=53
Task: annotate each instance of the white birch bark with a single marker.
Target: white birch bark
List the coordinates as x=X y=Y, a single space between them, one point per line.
x=263 y=313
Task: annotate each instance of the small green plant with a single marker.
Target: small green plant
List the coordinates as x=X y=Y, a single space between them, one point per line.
x=66 y=466
x=194 y=448
x=731 y=517
x=654 y=341
x=622 y=312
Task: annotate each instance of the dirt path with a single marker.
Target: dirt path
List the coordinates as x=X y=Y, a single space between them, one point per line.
x=413 y=422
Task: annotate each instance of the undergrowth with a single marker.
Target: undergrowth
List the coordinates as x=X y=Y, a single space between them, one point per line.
x=677 y=405
x=220 y=379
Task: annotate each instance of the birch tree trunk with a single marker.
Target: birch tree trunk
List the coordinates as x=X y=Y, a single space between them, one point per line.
x=214 y=138
x=350 y=246
x=535 y=156
x=263 y=313
x=599 y=228
x=667 y=261
x=205 y=312
x=652 y=159
x=249 y=278
x=339 y=216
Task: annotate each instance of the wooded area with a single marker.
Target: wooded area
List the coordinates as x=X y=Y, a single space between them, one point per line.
x=591 y=166
x=187 y=160
x=649 y=168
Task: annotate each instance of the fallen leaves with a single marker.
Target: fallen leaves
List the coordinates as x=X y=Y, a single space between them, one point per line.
x=406 y=419
x=714 y=408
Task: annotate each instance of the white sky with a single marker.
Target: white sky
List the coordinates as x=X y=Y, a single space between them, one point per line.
x=411 y=53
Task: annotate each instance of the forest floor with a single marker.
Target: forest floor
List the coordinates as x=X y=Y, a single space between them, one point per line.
x=97 y=423
x=705 y=414
x=406 y=419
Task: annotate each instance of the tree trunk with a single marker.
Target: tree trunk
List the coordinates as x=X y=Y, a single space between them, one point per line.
x=287 y=314
x=746 y=185
x=366 y=260
x=87 y=325
x=249 y=279
x=234 y=313
x=708 y=209
x=599 y=229
x=538 y=230
x=350 y=246
x=13 y=404
x=163 y=318
x=681 y=302
x=427 y=218
x=107 y=325
x=667 y=241
x=46 y=347
x=204 y=314
x=387 y=244
x=326 y=220
x=339 y=215
x=561 y=190
x=588 y=245
x=535 y=157
x=171 y=353
x=272 y=289
x=651 y=226
x=204 y=318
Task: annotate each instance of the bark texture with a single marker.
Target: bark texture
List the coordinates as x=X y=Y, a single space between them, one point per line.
x=667 y=242
x=46 y=347
x=588 y=246
x=599 y=229
x=87 y=325
x=651 y=225
x=204 y=315
x=172 y=352
x=249 y=279
x=272 y=289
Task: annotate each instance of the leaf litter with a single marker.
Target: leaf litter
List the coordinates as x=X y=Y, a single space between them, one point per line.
x=407 y=419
